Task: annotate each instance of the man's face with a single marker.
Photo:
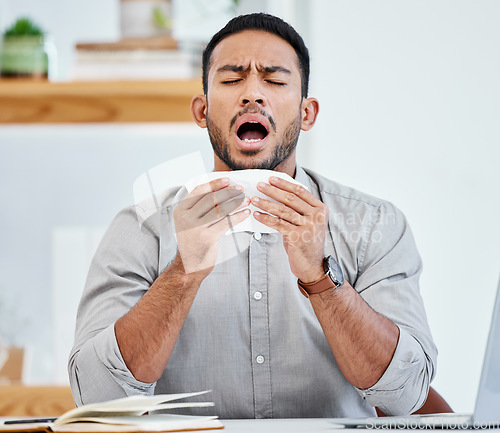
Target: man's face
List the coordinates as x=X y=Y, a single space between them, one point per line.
x=254 y=107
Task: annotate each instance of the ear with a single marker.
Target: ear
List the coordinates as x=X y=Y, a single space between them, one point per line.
x=310 y=109
x=199 y=110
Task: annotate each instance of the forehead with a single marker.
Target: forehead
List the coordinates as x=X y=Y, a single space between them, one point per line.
x=254 y=46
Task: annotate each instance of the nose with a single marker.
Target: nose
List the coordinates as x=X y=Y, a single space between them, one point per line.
x=252 y=92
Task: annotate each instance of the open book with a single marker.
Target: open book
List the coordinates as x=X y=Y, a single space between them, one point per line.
x=126 y=415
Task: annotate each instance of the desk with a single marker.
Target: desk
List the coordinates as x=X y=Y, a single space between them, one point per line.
x=274 y=426
x=298 y=425
x=301 y=425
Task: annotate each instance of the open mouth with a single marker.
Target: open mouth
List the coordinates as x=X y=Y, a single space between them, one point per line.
x=252 y=132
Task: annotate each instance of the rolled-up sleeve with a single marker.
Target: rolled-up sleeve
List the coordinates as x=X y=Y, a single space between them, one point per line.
x=388 y=280
x=98 y=372
x=403 y=387
x=124 y=267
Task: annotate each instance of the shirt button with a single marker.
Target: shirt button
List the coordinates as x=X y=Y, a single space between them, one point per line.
x=260 y=359
x=257 y=236
x=257 y=296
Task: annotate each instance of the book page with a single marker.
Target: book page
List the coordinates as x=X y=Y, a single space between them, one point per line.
x=132 y=406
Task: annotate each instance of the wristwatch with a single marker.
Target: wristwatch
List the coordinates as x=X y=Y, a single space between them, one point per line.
x=333 y=278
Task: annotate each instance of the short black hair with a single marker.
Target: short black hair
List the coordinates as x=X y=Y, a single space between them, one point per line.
x=268 y=23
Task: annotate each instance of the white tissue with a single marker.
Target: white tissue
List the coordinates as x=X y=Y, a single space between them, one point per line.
x=248 y=179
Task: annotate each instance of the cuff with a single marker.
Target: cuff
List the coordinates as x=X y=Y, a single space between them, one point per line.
x=403 y=387
x=108 y=352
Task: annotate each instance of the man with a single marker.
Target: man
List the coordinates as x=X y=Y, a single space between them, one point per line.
x=321 y=319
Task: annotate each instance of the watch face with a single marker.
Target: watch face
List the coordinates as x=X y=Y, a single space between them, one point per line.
x=333 y=268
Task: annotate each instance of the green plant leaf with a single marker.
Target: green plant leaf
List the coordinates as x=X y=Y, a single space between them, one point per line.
x=24 y=27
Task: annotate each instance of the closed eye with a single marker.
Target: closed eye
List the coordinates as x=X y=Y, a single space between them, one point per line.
x=231 y=81
x=277 y=83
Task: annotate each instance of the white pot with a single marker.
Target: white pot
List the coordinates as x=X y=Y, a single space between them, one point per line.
x=138 y=18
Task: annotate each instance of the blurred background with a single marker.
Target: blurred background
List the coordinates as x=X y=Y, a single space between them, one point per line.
x=409 y=107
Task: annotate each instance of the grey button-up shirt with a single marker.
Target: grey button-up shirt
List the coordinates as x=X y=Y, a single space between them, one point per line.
x=251 y=336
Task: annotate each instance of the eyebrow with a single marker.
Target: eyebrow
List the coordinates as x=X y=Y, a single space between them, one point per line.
x=265 y=69
x=272 y=69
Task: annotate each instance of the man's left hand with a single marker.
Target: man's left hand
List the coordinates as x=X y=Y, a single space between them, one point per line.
x=302 y=219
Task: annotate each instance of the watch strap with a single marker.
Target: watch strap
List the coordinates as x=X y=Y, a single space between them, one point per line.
x=322 y=285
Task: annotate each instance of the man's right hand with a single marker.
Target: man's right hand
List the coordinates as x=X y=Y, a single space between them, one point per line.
x=202 y=218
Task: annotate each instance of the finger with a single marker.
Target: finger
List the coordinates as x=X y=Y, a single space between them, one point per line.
x=246 y=202
x=284 y=227
x=224 y=209
x=201 y=190
x=279 y=210
x=213 y=200
x=288 y=198
x=223 y=225
x=298 y=190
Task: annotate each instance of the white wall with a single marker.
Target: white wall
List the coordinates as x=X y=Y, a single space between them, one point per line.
x=71 y=21
x=68 y=22
x=409 y=95
x=60 y=188
x=409 y=111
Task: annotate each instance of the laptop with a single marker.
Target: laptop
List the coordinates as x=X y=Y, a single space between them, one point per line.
x=486 y=413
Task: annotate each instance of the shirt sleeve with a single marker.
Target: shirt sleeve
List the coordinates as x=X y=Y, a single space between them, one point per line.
x=389 y=272
x=124 y=267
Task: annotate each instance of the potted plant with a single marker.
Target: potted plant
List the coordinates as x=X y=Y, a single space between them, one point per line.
x=24 y=52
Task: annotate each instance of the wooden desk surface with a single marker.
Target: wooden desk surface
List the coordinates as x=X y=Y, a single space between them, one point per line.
x=36 y=401
x=24 y=101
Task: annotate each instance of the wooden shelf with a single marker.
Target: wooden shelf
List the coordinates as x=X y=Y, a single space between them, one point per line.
x=23 y=101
